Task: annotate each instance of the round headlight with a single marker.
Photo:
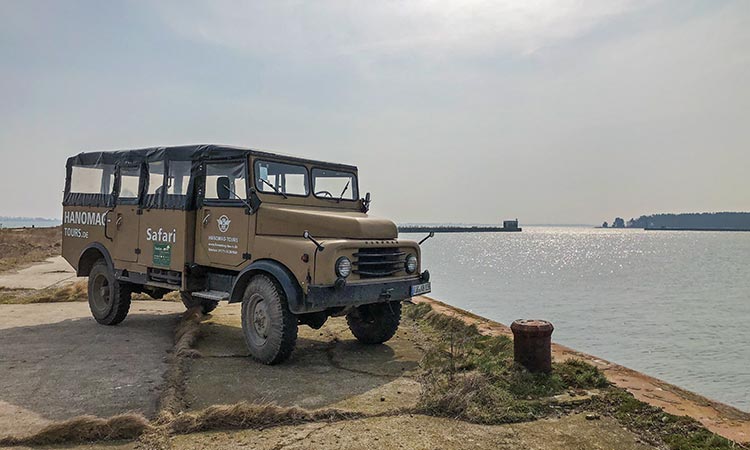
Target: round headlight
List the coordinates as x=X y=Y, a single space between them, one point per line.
x=411 y=264
x=343 y=267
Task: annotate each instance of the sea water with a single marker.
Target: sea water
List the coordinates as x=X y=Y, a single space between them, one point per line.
x=671 y=304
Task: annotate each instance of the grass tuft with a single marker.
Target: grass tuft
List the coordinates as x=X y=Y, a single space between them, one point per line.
x=85 y=429
x=246 y=415
x=75 y=292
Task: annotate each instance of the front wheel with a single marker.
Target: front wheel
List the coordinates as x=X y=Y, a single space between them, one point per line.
x=375 y=323
x=269 y=327
x=109 y=299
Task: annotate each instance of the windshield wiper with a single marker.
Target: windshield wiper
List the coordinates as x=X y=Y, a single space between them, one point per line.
x=344 y=191
x=273 y=187
x=239 y=198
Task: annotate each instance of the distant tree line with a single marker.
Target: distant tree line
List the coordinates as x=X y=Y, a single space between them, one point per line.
x=731 y=220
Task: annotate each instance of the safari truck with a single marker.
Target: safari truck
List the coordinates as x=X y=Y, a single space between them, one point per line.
x=289 y=238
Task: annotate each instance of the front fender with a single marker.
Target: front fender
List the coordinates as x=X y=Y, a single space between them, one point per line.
x=279 y=272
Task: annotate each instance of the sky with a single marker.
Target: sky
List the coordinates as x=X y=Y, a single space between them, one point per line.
x=454 y=111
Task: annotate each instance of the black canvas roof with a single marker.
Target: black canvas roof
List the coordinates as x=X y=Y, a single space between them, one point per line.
x=186 y=153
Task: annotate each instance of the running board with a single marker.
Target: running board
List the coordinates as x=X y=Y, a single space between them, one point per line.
x=212 y=295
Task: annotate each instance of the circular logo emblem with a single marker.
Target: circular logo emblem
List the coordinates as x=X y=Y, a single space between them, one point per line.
x=223 y=223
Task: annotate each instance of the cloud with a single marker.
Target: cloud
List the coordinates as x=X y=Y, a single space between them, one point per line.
x=293 y=29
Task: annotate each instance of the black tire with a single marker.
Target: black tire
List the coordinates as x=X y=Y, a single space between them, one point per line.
x=109 y=299
x=269 y=327
x=375 y=323
x=206 y=305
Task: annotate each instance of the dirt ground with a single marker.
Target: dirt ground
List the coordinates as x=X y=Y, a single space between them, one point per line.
x=20 y=247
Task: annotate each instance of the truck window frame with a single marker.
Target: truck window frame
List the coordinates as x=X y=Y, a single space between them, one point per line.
x=259 y=189
x=354 y=175
x=98 y=200
x=184 y=201
x=118 y=181
x=200 y=193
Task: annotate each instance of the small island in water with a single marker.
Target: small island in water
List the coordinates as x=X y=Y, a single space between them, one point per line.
x=718 y=221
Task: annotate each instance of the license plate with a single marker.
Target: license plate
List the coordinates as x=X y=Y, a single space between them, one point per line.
x=419 y=289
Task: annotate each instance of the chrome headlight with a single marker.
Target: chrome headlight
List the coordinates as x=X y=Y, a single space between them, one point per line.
x=343 y=267
x=411 y=263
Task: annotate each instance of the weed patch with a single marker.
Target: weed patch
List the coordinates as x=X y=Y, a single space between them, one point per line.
x=658 y=427
x=472 y=376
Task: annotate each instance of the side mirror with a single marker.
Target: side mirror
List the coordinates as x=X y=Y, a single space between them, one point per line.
x=432 y=234
x=306 y=234
x=366 y=203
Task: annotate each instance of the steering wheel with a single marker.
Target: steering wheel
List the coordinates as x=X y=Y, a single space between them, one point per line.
x=324 y=194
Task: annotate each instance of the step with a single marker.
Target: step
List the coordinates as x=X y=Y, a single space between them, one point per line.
x=212 y=295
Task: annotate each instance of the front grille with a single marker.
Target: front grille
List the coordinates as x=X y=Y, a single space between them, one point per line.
x=378 y=262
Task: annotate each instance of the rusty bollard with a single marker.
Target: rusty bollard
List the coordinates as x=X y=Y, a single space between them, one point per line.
x=532 y=344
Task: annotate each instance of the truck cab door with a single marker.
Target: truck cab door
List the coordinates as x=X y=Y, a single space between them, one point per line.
x=224 y=227
x=124 y=219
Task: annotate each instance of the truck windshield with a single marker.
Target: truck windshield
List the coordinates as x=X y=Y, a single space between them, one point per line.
x=334 y=184
x=281 y=178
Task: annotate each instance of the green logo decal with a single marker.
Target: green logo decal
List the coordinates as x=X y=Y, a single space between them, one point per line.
x=162 y=254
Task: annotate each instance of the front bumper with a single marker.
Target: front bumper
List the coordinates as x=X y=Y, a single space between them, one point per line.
x=319 y=298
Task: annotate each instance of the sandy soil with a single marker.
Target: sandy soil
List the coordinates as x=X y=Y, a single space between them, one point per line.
x=20 y=247
x=722 y=419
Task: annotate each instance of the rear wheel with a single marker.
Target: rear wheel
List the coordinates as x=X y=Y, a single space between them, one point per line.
x=190 y=302
x=109 y=299
x=375 y=323
x=269 y=327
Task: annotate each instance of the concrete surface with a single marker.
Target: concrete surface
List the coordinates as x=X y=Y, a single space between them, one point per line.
x=57 y=362
x=54 y=271
x=422 y=432
x=328 y=368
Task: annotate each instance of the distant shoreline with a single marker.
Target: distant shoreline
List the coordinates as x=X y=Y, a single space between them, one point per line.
x=692 y=229
x=457 y=229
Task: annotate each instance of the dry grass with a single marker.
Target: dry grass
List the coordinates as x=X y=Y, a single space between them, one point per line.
x=246 y=415
x=172 y=398
x=76 y=292
x=22 y=246
x=85 y=429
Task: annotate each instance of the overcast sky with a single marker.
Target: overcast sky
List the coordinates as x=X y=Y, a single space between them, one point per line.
x=454 y=111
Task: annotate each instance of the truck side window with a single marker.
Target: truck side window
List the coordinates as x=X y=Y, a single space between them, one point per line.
x=219 y=176
x=155 y=177
x=92 y=180
x=129 y=179
x=179 y=177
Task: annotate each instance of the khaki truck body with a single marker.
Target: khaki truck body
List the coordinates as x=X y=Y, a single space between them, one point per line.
x=289 y=237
